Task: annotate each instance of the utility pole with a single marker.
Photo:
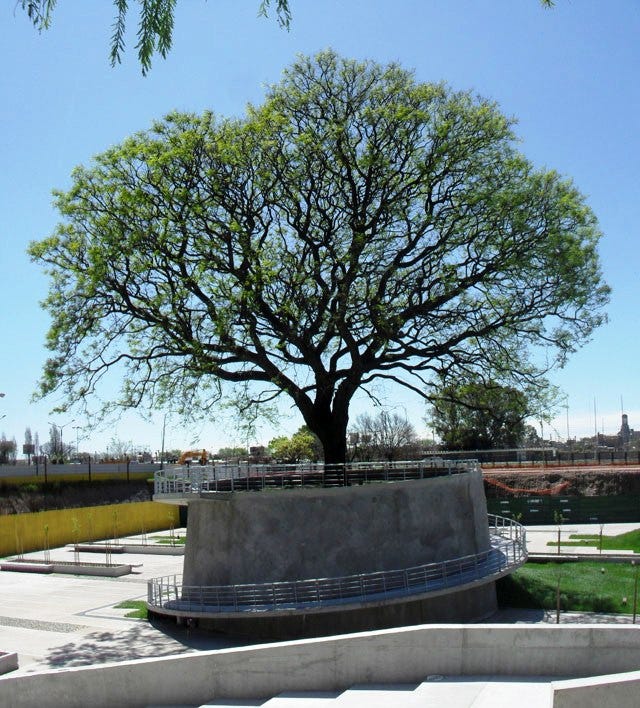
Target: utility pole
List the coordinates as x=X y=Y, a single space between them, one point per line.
x=77 y=428
x=164 y=427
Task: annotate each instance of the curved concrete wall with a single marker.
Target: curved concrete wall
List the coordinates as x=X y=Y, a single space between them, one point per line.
x=269 y=536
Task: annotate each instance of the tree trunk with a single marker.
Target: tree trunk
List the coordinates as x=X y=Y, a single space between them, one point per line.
x=328 y=418
x=335 y=448
x=331 y=429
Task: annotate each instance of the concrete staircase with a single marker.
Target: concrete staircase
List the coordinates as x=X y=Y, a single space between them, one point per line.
x=433 y=692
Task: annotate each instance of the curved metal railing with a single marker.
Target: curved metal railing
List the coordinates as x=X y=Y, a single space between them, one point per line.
x=508 y=551
x=194 y=480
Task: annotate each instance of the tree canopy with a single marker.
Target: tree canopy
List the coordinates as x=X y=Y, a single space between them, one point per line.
x=230 y=453
x=385 y=436
x=302 y=445
x=480 y=416
x=8 y=449
x=356 y=228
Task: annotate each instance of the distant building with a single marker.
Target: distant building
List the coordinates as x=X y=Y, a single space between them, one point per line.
x=625 y=433
x=626 y=438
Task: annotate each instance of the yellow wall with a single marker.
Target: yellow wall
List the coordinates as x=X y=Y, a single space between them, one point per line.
x=32 y=532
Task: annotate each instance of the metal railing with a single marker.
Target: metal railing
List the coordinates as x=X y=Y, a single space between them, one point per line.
x=508 y=551
x=255 y=477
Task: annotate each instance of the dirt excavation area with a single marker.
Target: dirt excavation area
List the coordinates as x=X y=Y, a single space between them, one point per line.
x=589 y=481
x=19 y=499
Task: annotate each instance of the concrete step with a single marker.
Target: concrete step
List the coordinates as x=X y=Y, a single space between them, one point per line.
x=233 y=703
x=485 y=692
x=307 y=699
x=434 y=692
x=402 y=695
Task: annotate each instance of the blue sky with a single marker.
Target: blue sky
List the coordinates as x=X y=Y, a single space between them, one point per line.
x=569 y=75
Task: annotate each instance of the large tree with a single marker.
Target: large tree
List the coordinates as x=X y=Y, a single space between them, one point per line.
x=302 y=445
x=479 y=416
x=7 y=450
x=385 y=436
x=357 y=227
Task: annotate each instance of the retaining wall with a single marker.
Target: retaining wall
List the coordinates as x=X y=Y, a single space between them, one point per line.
x=54 y=528
x=619 y=690
x=404 y=655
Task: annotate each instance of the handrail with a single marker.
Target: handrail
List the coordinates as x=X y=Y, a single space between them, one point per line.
x=194 y=480
x=508 y=551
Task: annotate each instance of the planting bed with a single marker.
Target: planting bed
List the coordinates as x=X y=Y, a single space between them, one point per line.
x=145 y=549
x=36 y=565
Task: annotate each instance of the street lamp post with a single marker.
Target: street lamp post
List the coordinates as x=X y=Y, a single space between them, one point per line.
x=635 y=590
x=4 y=415
x=164 y=428
x=77 y=428
x=61 y=428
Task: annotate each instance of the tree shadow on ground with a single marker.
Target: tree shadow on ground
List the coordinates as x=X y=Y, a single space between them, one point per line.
x=138 y=641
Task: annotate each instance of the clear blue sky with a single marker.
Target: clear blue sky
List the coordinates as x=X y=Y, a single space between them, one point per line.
x=570 y=76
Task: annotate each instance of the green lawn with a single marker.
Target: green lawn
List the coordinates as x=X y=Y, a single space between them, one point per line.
x=629 y=541
x=584 y=587
x=138 y=607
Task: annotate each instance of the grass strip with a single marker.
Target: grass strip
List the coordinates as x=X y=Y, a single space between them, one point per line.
x=584 y=587
x=166 y=541
x=629 y=541
x=138 y=607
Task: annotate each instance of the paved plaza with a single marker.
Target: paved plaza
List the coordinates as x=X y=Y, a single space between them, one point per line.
x=62 y=621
